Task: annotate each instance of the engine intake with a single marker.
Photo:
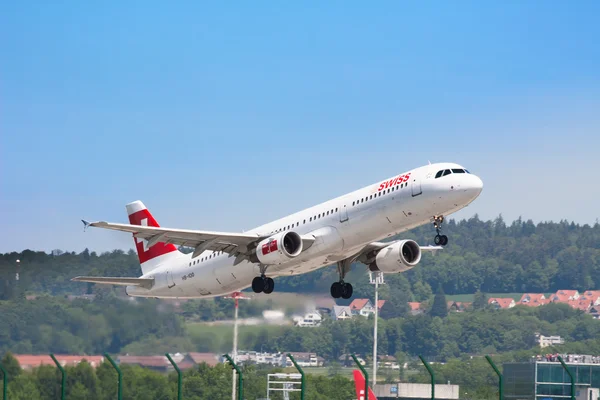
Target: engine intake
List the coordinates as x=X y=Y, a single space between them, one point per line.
x=397 y=257
x=278 y=248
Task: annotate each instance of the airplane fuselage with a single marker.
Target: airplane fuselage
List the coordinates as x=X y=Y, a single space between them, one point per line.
x=343 y=226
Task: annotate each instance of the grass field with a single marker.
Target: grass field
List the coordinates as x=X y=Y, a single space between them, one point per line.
x=469 y=297
x=209 y=337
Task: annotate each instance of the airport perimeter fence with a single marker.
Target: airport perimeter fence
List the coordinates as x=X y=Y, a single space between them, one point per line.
x=240 y=377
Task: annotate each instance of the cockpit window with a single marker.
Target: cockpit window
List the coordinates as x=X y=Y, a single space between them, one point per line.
x=458 y=171
x=439 y=173
x=446 y=172
x=467 y=171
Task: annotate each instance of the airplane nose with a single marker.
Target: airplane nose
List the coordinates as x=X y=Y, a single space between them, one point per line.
x=475 y=185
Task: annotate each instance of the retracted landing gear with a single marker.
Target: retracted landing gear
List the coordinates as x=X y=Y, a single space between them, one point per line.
x=262 y=283
x=342 y=289
x=439 y=240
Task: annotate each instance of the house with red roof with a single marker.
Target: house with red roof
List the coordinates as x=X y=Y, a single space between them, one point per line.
x=592 y=296
x=458 y=306
x=533 y=300
x=157 y=363
x=364 y=307
x=211 y=359
x=29 y=361
x=582 y=305
x=534 y=303
x=532 y=297
x=564 y=296
x=594 y=311
x=415 y=308
x=502 y=302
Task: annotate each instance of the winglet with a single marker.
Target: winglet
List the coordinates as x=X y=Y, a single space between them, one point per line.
x=85 y=224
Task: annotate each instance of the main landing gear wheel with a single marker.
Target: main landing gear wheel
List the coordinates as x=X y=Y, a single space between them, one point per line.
x=258 y=284
x=269 y=286
x=439 y=240
x=262 y=284
x=341 y=289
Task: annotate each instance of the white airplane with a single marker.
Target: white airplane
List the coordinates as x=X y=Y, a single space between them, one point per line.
x=340 y=231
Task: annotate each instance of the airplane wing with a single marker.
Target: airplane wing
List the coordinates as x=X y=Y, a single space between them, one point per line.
x=227 y=242
x=142 y=282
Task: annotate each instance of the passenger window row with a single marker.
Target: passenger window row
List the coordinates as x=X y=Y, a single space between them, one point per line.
x=318 y=216
x=210 y=256
x=379 y=194
x=445 y=172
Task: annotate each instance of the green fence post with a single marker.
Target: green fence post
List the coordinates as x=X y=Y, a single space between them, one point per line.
x=570 y=376
x=4 y=382
x=301 y=373
x=64 y=377
x=364 y=371
x=119 y=376
x=178 y=375
x=500 y=378
x=430 y=370
x=240 y=376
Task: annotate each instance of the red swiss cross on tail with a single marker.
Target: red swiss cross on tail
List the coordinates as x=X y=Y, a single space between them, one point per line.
x=139 y=215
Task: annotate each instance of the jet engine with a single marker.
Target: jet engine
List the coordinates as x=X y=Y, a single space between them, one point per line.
x=397 y=257
x=278 y=249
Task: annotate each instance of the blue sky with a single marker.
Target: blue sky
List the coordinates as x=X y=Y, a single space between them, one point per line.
x=223 y=116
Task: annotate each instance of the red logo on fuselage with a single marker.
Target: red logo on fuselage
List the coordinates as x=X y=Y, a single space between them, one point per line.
x=393 y=182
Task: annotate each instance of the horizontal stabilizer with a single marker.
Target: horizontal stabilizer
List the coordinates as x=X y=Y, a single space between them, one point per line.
x=146 y=283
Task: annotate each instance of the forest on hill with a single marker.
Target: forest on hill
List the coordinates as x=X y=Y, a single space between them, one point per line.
x=149 y=326
x=490 y=256
x=483 y=256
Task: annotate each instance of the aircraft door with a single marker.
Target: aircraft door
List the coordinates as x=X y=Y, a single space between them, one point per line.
x=416 y=186
x=343 y=213
x=170 y=280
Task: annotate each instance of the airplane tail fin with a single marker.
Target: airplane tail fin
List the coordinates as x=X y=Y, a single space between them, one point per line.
x=150 y=257
x=359 y=381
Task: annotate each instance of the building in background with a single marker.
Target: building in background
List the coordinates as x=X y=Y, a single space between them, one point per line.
x=545 y=378
x=364 y=307
x=415 y=391
x=502 y=302
x=458 y=306
x=342 y=312
x=546 y=341
x=29 y=361
x=309 y=319
x=415 y=308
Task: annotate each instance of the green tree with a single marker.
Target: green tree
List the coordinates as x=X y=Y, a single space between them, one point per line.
x=23 y=388
x=334 y=368
x=11 y=365
x=479 y=300
x=79 y=392
x=422 y=291
x=439 y=308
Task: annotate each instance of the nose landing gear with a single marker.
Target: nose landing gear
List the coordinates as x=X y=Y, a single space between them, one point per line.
x=439 y=240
